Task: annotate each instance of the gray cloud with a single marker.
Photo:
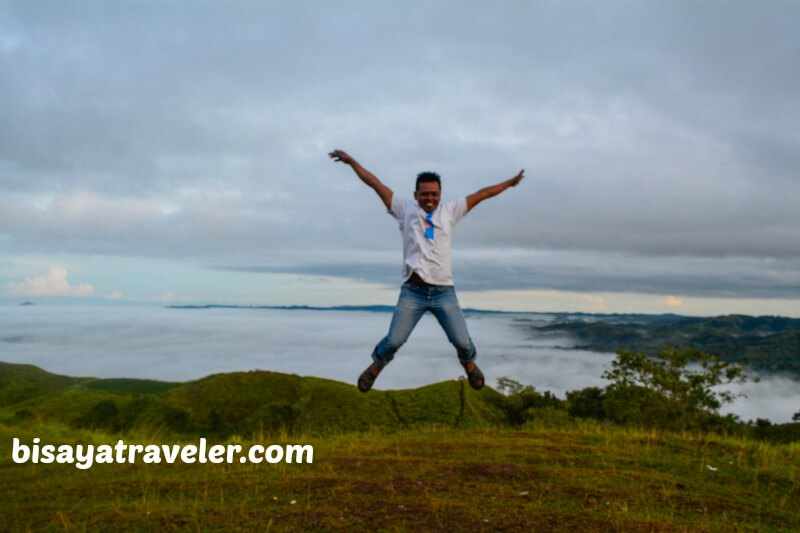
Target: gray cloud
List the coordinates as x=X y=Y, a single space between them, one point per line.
x=660 y=135
x=576 y=271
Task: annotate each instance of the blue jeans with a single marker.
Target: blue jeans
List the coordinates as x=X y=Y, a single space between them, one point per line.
x=413 y=302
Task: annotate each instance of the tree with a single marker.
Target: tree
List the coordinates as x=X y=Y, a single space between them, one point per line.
x=587 y=403
x=676 y=388
x=796 y=417
x=669 y=374
x=520 y=401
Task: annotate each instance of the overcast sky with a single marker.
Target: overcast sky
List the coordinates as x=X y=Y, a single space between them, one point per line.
x=178 y=150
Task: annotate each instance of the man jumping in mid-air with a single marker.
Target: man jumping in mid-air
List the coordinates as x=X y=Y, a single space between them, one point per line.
x=427 y=229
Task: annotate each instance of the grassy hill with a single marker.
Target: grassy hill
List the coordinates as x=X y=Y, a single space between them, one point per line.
x=25 y=382
x=437 y=457
x=238 y=403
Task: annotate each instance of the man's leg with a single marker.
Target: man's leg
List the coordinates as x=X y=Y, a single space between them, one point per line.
x=451 y=318
x=409 y=309
x=448 y=312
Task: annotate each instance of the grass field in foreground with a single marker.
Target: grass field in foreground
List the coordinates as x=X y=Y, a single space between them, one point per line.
x=584 y=478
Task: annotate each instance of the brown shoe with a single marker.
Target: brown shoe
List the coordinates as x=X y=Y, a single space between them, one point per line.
x=367 y=377
x=474 y=375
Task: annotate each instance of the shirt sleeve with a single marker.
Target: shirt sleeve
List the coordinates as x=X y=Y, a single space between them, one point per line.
x=459 y=209
x=397 y=209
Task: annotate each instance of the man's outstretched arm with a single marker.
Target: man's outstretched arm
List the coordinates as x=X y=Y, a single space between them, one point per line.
x=493 y=190
x=366 y=176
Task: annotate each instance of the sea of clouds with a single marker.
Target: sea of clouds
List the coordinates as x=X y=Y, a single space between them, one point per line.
x=184 y=344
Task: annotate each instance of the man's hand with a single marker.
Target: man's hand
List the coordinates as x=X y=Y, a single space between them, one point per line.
x=366 y=176
x=516 y=179
x=494 y=190
x=341 y=155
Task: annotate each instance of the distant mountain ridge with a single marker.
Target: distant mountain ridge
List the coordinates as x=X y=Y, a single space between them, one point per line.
x=766 y=343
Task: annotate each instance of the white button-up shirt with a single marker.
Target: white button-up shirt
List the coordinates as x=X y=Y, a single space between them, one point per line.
x=429 y=258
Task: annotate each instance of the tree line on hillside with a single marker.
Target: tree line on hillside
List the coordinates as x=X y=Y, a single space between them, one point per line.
x=676 y=389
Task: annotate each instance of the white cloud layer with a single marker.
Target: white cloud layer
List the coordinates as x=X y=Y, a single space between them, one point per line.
x=54 y=283
x=176 y=344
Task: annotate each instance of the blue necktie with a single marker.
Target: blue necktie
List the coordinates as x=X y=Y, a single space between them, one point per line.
x=429 y=226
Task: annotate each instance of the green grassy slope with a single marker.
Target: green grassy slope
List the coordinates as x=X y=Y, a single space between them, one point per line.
x=587 y=478
x=238 y=403
x=23 y=382
x=437 y=457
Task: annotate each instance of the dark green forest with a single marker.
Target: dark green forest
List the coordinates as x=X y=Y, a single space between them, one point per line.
x=764 y=344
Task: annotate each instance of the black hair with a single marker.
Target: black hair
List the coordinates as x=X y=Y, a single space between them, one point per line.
x=427 y=176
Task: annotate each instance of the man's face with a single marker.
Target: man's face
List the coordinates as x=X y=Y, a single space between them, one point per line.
x=427 y=195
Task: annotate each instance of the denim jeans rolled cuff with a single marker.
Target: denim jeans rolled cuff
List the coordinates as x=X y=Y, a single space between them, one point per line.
x=470 y=354
x=381 y=361
x=414 y=301
x=383 y=354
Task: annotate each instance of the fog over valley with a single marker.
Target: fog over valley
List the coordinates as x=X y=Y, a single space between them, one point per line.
x=186 y=344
